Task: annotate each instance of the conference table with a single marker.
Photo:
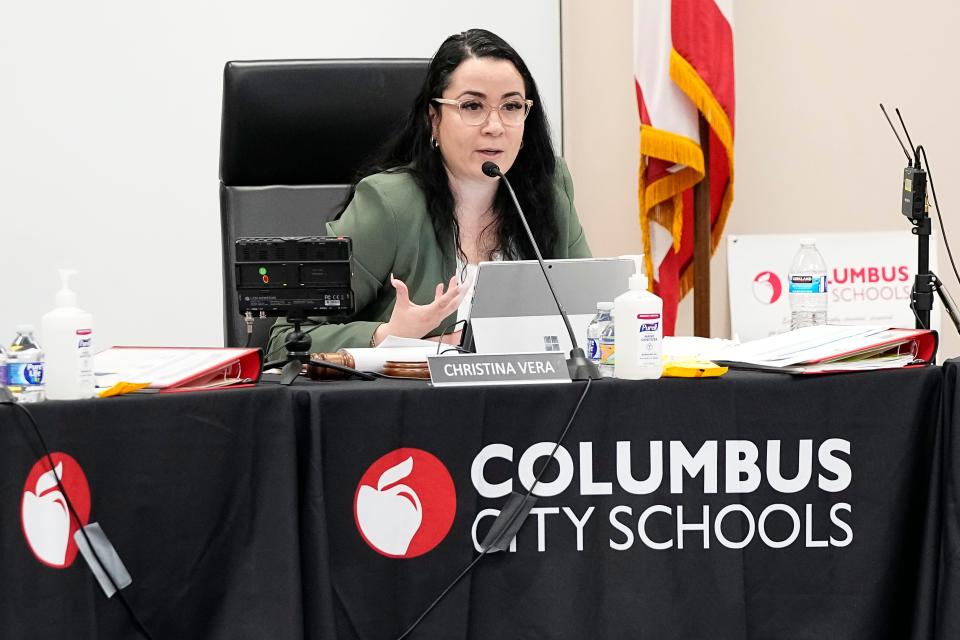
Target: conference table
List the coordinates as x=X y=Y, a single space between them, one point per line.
x=748 y=506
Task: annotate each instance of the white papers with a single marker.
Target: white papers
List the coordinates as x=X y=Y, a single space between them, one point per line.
x=391 y=342
x=679 y=348
x=394 y=349
x=828 y=348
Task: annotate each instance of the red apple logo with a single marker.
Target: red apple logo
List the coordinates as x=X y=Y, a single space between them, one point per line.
x=405 y=503
x=767 y=287
x=46 y=521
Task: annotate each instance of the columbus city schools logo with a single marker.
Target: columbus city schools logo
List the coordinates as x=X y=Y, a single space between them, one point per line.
x=767 y=287
x=405 y=503
x=46 y=520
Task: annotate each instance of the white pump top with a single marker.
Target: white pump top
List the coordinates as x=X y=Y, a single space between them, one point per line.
x=638 y=281
x=66 y=297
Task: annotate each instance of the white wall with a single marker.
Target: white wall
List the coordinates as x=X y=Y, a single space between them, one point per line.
x=813 y=152
x=109 y=134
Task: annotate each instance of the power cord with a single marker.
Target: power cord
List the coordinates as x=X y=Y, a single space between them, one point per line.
x=7 y=399
x=448 y=330
x=516 y=514
x=936 y=205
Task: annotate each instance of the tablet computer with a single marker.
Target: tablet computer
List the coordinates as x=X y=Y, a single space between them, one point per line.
x=512 y=310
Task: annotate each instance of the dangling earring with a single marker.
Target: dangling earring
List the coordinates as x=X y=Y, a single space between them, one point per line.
x=434 y=142
x=521 y=143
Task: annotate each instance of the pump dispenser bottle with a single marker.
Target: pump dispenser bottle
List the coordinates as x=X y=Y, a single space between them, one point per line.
x=638 y=318
x=67 y=336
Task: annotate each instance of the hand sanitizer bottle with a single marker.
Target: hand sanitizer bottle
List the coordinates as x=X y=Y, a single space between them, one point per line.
x=638 y=316
x=67 y=334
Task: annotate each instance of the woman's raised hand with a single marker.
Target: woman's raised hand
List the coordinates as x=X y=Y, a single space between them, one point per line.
x=411 y=320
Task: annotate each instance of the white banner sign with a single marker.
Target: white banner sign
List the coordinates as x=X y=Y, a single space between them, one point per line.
x=870 y=275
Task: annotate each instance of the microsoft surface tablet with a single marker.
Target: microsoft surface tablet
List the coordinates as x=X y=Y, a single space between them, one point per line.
x=513 y=312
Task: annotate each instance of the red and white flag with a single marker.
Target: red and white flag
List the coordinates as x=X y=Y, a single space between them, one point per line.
x=683 y=66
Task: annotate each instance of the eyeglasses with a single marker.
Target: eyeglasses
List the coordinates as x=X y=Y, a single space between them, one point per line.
x=475 y=112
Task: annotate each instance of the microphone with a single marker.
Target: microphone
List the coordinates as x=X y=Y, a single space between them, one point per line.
x=579 y=366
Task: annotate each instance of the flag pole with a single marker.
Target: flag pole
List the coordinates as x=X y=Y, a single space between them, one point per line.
x=701 y=240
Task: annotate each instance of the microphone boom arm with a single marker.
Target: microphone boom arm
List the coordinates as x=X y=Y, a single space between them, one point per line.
x=580 y=367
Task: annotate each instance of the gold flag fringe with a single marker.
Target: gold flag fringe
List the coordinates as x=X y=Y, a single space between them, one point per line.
x=690 y=82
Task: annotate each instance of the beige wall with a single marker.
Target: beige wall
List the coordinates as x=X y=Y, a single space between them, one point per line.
x=813 y=152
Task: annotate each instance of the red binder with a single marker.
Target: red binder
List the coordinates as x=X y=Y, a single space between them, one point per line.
x=921 y=344
x=822 y=350
x=172 y=369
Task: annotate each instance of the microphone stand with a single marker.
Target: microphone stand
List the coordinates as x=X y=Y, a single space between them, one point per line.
x=915 y=206
x=926 y=282
x=578 y=364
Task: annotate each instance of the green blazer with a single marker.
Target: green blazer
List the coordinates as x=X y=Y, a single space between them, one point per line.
x=391 y=231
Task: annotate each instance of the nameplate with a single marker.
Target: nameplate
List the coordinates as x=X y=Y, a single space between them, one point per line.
x=498 y=368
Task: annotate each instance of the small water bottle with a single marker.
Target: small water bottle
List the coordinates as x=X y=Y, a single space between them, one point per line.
x=595 y=330
x=608 y=358
x=808 y=287
x=24 y=367
x=3 y=366
x=24 y=376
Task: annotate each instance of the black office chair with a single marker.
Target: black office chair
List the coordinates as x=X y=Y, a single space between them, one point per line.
x=293 y=135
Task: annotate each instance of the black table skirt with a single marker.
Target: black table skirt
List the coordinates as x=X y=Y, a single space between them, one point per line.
x=750 y=506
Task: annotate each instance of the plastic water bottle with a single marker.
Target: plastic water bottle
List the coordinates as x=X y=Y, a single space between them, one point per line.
x=24 y=366
x=595 y=330
x=3 y=366
x=808 y=287
x=608 y=349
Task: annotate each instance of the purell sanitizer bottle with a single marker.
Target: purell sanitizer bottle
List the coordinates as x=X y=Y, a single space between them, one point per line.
x=67 y=334
x=638 y=316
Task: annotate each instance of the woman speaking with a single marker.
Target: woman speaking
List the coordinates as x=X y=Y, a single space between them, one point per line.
x=425 y=214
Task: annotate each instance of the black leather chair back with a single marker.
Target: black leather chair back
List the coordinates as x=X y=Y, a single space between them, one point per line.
x=293 y=135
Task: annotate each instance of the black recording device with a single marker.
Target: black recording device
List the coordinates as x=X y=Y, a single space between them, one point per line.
x=914 y=204
x=294 y=277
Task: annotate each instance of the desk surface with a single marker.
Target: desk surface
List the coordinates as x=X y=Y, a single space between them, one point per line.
x=749 y=506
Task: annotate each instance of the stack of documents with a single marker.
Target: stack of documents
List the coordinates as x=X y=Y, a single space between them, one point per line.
x=831 y=349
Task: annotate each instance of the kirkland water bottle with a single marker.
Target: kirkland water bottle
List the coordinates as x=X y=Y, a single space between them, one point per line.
x=595 y=330
x=808 y=287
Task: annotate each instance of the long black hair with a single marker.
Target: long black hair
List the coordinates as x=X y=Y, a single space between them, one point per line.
x=532 y=174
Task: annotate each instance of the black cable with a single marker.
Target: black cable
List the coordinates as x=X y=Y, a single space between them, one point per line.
x=341 y=368
x=73 y=512
x=455 y=349
x=516 y=514
x=448 y=330
x=377 y=374
x=936 y=205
